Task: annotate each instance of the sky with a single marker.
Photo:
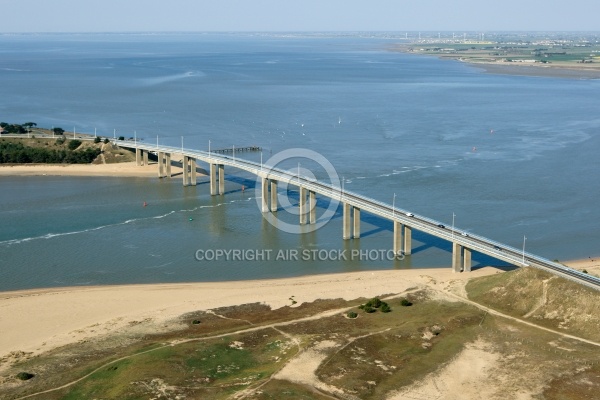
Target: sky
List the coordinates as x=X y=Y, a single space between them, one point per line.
x=298 y=15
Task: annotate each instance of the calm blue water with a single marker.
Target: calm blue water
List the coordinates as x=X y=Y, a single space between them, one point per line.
x=509 y=155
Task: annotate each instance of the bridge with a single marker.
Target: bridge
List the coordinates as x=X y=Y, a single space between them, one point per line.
x=353 y=204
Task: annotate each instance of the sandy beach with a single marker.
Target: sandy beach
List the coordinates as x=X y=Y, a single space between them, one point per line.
x=126 y=169
x=41 y=319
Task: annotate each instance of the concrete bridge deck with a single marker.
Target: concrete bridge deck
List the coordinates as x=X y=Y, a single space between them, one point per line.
x=352 y=205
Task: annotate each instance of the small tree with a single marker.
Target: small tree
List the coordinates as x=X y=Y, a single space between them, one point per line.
x=106 y=141
x=58 y=131
x=121 y=137
x=97 y=139
x=24 y=376
x=73 y=144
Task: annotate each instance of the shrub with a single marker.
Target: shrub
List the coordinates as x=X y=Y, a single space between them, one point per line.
x=584 y=271
x=121 y=137
x=385 y=308
x=97 y=139
x=369 y=309
x=73 y=144
x=196 y=322
x=106 y=141
x=24 y=376
x=374 y=302
x=60 y=140
x=405 y=303
x=352 y=315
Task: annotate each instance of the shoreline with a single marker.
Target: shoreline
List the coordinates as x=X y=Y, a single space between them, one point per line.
x=69 y=315
x=541 y=71
x=121 y=170
x=518 y=69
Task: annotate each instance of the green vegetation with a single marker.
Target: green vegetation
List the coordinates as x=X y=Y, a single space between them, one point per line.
x=542 y=298
x=73 y=144
x=24 y=376
x=17 y=153
x=15 y=128
x=405 y=303
x=374 y=304
x=58 y=131
x=351 y=314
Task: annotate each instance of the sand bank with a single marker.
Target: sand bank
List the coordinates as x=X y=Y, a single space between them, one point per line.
x=126 y=169
x=39 y=320
x=541 y=70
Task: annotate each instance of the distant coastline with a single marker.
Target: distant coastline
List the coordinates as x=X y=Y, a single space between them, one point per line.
x=501 y=67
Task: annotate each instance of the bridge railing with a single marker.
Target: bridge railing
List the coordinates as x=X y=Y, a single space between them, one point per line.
x=473 y=241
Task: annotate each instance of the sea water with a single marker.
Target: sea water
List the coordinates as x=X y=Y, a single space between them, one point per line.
x=501 y=156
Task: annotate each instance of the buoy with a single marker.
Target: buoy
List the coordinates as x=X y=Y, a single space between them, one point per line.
x=191 y=219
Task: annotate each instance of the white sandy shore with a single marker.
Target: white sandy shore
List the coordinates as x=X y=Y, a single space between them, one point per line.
x=39 y=320
x=126 y=169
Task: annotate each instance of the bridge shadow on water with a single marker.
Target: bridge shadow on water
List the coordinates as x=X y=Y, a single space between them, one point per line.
x=422 y=241
x=374 y=225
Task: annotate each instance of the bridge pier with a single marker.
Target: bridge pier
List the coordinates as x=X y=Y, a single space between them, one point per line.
x=161 y=165
x=356 y=224
x=466 y=260
x=264 y=201
x=168 y=164
x=312 y=207
x=397 y=238
x=407 y=240
x=346 y=221
x=189 y=171
x=461 y=258
x=302 y=205
x=213 y=179
x=221 y=178
x=141 y=157
x=274 y=205
x=185 y=166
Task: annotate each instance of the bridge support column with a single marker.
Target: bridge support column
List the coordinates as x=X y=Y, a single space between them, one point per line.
x=407 y=240
x=346 y=221
x=302 y=205
x=186 y=170
x=138 y=157
x=397 y=238
x=456 y=257
x=467 y=260
x=213 y=179
x=274 y=205
x=161 y=164
x=264 y=201
x=312 y=207
x=356 y=222
x=168 y=164
x=221 y=179
x=193 y=180
x=144 y=157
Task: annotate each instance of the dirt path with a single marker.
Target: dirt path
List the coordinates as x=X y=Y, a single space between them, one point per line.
x=309 y=360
